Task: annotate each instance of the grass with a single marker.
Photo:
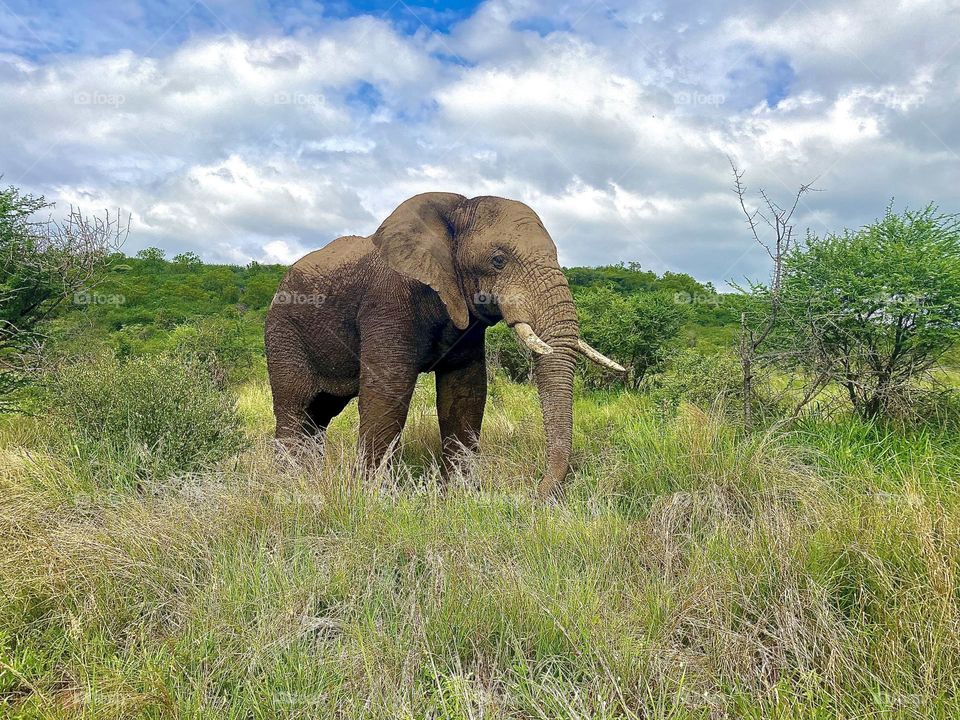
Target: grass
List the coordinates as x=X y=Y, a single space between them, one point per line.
x=692 y=572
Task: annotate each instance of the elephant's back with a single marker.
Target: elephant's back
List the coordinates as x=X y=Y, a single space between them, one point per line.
x=335 y=257
x=335 y=269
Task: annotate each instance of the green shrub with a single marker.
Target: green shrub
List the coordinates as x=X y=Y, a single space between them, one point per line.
x=876 y=310
x=144 y=418
x=504 y=353
x=697 y=378
x=217 y=343
x=638 y=331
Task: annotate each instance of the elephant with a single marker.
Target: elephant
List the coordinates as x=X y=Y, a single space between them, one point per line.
x=364 y=316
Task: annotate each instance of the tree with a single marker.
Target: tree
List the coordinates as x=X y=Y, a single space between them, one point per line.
x=187 y=259
x=42 y=265
x=625 y=278
x=259 y=290
x=636 y=330
x=151 y=254
x=876 y=309
x=761 y=318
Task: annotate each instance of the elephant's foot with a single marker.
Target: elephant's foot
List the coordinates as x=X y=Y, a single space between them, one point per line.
x=456 y=463
x=551 y=489
x=297 y=450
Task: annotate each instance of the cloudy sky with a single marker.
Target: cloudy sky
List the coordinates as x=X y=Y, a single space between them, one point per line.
x=258 y=129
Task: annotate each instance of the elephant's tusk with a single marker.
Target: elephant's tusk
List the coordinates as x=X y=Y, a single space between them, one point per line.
x=531 y=340
x=598 y=358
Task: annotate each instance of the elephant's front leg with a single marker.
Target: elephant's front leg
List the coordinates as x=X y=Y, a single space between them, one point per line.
x=385 y=393
x=461 y=397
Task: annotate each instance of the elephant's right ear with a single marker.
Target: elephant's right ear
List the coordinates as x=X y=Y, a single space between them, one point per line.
x=417 y=241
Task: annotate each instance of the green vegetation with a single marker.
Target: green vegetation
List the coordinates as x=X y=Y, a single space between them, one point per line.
x=692 y=571
x=147 y=306
x=638 y=330
x=711 y=317
x=43 y=264
x=875 y=310
x=146 y=418
x=157 y=559
x=702 y=379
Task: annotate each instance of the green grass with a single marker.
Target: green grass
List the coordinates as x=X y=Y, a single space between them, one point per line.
x=692 y=572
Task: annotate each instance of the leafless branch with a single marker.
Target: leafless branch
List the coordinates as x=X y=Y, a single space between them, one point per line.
x=779 y=219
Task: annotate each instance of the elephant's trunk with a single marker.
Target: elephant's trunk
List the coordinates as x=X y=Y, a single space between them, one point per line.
x=553 y=375
x=554 y=323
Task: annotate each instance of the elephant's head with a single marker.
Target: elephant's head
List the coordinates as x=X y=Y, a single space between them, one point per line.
x=491 y=259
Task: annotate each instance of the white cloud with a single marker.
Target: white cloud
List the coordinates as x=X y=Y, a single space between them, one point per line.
x=280 y=251
x=614 y=124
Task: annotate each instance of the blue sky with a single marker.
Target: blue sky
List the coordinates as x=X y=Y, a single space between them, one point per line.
x=152 y=27
x=250 y=129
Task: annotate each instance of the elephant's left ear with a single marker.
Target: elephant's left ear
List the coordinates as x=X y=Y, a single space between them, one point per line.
x=417 y=241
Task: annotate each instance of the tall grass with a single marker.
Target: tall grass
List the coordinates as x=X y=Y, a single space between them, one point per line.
x=692 y=571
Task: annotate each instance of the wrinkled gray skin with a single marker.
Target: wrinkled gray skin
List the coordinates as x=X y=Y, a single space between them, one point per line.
x=366 y=315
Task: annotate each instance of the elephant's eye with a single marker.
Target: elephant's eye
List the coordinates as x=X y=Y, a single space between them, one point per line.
x=499 y=261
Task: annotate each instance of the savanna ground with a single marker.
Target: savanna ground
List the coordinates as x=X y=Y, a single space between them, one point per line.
x=693 y=571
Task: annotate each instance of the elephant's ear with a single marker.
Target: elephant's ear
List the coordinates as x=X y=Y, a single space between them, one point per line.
x=417 y=241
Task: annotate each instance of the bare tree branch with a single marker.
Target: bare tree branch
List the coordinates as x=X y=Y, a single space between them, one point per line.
x=780 y=220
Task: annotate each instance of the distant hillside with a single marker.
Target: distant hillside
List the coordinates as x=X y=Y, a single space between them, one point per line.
x=148 y=304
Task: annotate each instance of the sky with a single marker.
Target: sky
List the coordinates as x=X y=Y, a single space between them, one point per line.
x=258 y=130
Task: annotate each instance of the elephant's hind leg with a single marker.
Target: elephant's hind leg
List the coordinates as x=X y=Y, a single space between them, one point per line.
x=385 y=395
x=461 y=397
x=290 y=404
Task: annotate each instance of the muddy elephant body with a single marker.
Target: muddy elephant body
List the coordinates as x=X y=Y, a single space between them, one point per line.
x=364 y=316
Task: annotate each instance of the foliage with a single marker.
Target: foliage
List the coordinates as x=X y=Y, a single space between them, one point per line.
x=635 y=330
x=708 y=308
x=260 y=287
x=216 y=343
x=152 y=254
x=25 y=288
x=145 y=418
x=42 y=265
x=158 y=304
x=629 y=278
x=187 y=258
x=507 y=355
x=698 y=378
x=876 y=309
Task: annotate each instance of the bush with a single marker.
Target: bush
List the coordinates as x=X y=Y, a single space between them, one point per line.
x=505 y=354
x=876 y=310
x=144 y=419
x=217 y=343
x=699 y=379
x=635 y=330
